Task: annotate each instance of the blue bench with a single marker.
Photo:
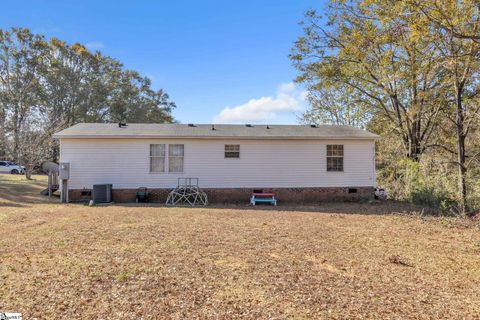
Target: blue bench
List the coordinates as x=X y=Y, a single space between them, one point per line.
x=263 y=197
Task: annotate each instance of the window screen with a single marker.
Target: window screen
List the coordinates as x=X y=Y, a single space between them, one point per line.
x=175 y=157
x=334 y=157
x=157 y=158
x=232 y=151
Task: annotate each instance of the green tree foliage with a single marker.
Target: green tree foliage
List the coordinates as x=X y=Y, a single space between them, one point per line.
x=413 y=68
x=19 y=63
x=47 y=85
x=369 y=47
x=449 y=20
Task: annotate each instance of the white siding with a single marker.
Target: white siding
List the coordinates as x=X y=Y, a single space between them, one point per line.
x=262 y=163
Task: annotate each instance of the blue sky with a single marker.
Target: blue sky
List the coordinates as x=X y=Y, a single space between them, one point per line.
x=220 y=61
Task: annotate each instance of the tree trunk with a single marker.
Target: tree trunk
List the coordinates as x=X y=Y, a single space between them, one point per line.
x=414 y=149
x=412 y=139
x=28 y=172
x=3 y=140
x=462 y=169
x=412 y=143
x=16 y=135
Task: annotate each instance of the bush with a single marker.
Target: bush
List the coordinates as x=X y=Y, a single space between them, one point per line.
x=424 y=183
x=436 y=199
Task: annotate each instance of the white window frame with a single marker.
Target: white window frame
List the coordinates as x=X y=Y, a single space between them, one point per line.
x=176 y=157
x=337 y=153
x=231 y=149
x=162 y=156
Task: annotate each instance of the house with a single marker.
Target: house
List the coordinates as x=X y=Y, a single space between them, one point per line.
x=300 y=163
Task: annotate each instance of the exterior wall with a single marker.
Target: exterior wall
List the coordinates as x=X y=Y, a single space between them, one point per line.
x=262 y=164
x=237 y=195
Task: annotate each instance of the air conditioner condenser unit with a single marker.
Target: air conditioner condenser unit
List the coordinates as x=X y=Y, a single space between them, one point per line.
x=102 y=193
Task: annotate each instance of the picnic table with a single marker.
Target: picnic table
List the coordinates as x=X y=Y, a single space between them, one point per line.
x=263 y=197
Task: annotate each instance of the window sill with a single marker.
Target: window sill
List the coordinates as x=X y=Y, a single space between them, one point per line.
x=166 y=172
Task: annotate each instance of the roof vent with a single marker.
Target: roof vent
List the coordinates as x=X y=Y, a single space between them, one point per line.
x=313 y=126
x=213 y=127
x=248 y=125
x=191 y=125
x=122 y=125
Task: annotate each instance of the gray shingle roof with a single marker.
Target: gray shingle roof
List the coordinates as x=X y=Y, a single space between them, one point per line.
x=149 y=130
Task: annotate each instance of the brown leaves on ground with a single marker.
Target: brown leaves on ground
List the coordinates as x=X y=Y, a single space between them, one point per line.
x=399 y=260
x=17 y=191
x=145 y=262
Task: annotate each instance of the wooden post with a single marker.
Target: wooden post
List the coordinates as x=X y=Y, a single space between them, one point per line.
x=64 y=191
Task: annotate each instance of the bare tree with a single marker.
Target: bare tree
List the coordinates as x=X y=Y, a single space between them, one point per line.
x=336 y=105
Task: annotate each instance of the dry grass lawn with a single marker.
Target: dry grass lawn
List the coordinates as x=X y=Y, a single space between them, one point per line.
x=153 y=262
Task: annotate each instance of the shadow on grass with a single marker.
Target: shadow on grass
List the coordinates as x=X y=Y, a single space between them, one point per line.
x=365 y=208
x=17 y=191
x=12 y=204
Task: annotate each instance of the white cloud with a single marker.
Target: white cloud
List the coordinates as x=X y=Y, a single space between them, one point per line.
x=94 y=45
x=288 y=100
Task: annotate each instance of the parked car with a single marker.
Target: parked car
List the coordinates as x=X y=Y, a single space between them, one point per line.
x=10 y=167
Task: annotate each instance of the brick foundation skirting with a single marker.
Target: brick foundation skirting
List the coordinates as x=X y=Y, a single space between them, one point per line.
x=242 y=195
